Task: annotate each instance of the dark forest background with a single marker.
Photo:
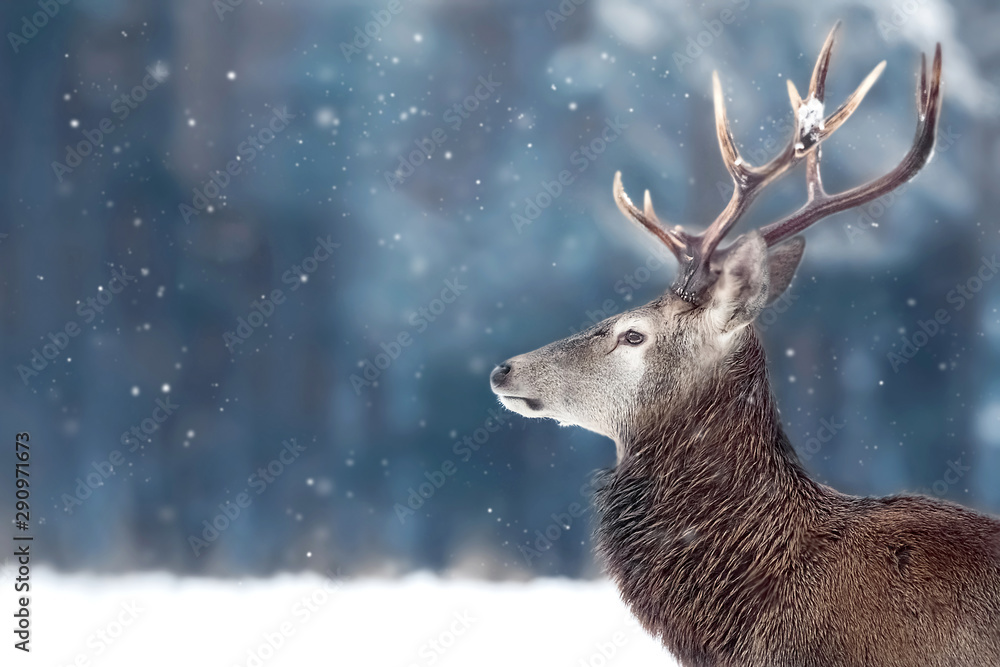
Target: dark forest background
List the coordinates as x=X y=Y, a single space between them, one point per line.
x=150 y=416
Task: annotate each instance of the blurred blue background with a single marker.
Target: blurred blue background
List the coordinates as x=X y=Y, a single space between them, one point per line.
x=375 y=194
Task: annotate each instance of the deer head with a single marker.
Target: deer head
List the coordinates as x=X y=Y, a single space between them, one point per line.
x=639 y=363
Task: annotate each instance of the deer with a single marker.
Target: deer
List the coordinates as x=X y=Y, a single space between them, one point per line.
x=718 y=540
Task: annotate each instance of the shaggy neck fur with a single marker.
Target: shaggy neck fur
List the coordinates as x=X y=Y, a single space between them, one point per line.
x=703 y=519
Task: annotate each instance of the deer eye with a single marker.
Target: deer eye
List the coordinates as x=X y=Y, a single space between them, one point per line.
x=633 y=337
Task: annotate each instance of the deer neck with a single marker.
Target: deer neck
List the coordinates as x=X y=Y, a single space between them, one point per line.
x=706 y=508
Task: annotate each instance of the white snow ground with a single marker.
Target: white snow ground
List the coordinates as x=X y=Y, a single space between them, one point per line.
x=300 y=621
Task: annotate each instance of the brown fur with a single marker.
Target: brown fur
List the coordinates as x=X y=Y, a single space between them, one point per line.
x=719 y=541
x=725 y=549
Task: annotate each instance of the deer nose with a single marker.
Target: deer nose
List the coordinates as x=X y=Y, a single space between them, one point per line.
x=499 y=374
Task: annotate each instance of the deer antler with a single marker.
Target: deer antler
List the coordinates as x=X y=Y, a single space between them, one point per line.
x=697 y=253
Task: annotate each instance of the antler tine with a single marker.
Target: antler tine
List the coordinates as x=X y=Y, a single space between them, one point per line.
x=647 y=219
x=748 y=180
x=850 y=105
x=793 y=94
x=821 y=205
x=697 y=252
x=730 y=154
x=816 y=129
x=647 y=206
x=817 y=85
x=817 y=91
x=818 y=134
x=932 y=105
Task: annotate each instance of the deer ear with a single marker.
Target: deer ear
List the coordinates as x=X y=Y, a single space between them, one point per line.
x=740 y=292
x=781 y=264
